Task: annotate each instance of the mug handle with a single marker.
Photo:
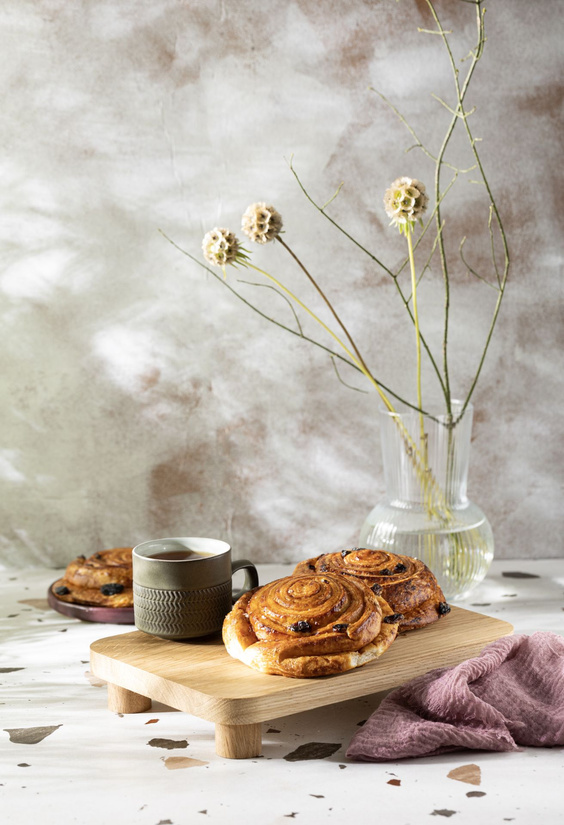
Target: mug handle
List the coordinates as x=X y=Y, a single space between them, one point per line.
x=251 y=576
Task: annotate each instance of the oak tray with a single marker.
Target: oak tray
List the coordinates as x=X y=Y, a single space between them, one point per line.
x=200 y=678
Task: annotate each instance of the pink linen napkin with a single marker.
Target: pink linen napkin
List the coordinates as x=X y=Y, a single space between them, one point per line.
x=511 y=694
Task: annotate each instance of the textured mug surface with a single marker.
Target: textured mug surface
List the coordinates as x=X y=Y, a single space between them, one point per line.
x=185 y=598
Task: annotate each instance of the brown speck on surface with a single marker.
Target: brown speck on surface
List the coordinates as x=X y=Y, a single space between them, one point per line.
x=10 y=669
x=272 y=730
x=443 y=812
x=175 y=763
x=312 y=750
x=23 y=765
x=476 y=793
x=396 y=782
x=39 y=604
x=30 y=736
x=481 y=604
x=292 y=815
x=169 y=744
x=165 y=822
x=151 y=721
x=518 y=574
x=466 y=773
x=342 y=767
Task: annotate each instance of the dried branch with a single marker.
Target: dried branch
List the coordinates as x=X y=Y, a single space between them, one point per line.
x=350 y=386
x=502 y=280
x=298 y=333
x=372 y=257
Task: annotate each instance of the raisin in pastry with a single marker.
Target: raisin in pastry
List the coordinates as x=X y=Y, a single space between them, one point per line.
x=407 y=584
x=104 y=579
x=309 y=625
x=106 y=567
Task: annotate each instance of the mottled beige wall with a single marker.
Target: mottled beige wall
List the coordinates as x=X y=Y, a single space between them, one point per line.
x=140 y=398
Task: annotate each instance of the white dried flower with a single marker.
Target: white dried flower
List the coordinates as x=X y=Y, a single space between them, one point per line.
x=220 y=247
x=261 y=223
x=405 y=201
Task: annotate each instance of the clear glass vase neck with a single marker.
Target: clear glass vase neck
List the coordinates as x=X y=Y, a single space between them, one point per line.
x=427 y=457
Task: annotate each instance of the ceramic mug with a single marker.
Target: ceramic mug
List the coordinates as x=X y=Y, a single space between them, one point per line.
x=182 y=587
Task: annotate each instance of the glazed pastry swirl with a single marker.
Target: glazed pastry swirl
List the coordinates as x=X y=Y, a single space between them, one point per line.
x=108 y=595
x=296 y=607
x=104 y=579
x=105 y=567
x=309 y=625
x=407 y=584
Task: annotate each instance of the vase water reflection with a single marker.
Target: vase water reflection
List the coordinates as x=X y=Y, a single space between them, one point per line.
x=426 y=512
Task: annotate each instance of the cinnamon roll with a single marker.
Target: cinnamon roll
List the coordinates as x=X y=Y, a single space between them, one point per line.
x=407 y=584
x=103 y=579
x=105 y=567
x=309 y=625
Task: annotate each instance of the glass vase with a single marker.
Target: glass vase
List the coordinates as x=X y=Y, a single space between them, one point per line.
x=426 y=512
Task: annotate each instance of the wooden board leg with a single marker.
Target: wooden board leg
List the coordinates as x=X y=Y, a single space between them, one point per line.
x=121 y=700
x=238 y=741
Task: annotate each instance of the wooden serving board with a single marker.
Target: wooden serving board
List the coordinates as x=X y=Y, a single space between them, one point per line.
x=200 y=678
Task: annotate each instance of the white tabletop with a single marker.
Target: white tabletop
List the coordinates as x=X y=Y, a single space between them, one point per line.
x=160 y=768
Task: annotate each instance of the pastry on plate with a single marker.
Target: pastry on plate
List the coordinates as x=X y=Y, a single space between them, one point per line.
x=103 y=579
x=313 y=624
x=407 y=584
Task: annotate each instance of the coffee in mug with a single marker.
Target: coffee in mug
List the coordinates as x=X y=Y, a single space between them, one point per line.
x=177 y=555
x=182 y=587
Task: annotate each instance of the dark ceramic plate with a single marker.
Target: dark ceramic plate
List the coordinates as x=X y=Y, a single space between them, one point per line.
x=91 y=612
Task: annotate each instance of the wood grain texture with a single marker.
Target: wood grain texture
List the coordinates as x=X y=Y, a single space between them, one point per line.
x=238 y=741
x=200 y=678
x=121 y=700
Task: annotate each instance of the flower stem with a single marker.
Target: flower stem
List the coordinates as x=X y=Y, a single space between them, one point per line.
x=415 y=314
x=408 y=232
x=327 y=302
x=458 y=114
x=354 y=358
x=393 y=275
x=436 y=502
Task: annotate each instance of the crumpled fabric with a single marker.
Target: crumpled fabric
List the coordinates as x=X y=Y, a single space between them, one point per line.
x=511 y=695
